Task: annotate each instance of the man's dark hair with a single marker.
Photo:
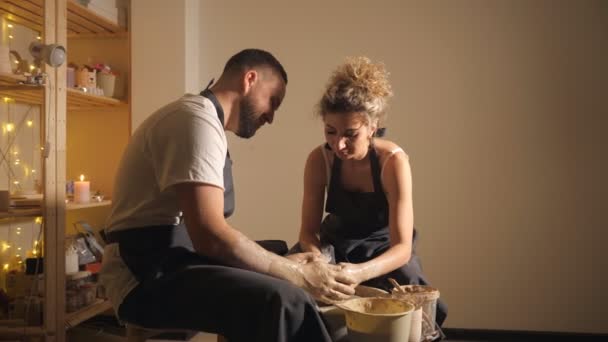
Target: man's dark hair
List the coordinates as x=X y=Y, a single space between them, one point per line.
x=251 y=58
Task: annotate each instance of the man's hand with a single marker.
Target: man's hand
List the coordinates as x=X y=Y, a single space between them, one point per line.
x=326 y=282
x=306 y=257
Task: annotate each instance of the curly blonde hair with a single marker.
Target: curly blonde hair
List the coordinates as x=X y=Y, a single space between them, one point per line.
x=358 y=85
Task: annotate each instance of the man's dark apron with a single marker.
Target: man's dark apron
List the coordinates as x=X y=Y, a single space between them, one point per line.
x=357 y=230
x=152 y=252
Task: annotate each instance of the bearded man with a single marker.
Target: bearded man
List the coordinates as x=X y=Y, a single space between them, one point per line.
x=171 y=260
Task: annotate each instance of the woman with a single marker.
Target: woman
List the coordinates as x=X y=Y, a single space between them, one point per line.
x=369 y=227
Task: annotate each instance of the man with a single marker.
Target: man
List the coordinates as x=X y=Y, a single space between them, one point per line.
x=172 y=260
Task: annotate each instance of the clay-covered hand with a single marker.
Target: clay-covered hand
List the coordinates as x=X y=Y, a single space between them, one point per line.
x=358 y=272
x=306 y=257
x=326 y=282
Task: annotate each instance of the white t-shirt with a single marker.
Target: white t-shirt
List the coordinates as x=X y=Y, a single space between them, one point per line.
x=182 y=142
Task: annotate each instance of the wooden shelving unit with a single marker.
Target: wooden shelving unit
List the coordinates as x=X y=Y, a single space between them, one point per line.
x=80 y=20
x=79 y=316
x=58 y=21
x=83 y=24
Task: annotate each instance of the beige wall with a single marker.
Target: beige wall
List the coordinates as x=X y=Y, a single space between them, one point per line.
x=165 y=53
x=158 y=55
x=501 y=106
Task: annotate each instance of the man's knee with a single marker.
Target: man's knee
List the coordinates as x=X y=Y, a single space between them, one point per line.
x=286 y=296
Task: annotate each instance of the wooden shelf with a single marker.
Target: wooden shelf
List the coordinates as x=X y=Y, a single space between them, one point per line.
x=74 y=318
x=10 y=79
x=76 y=206
x=15 y=332
x=16 y=213
x=28 y=13
x=10 y=87
x=34 y=94
x=80 y=20
x=78 y=100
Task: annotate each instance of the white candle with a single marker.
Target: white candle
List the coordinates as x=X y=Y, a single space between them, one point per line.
x=82 y=191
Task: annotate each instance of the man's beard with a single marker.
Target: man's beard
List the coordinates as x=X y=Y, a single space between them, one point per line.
x=248 y=124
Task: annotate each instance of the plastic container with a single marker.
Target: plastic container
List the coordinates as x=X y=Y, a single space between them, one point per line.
x=70 y=77
x=106 y=82
x=377 y=319
x=80 y=290
x=416 y=328
x=424 y=298
x=334 y=316
x=88 y=293
x=71 y=260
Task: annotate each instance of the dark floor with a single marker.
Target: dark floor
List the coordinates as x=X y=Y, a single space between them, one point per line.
x=468 y=335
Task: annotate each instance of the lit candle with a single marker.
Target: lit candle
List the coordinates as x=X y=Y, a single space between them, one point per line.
x=82 y=191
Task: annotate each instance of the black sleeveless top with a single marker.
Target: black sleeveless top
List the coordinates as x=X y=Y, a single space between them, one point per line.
x=361 y=213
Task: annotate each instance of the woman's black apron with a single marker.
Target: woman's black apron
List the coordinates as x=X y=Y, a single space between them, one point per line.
x=356 y=229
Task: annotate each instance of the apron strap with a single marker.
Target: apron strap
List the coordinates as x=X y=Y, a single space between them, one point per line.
x=229 y=198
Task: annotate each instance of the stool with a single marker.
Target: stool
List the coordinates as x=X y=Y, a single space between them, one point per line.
x=136 y=333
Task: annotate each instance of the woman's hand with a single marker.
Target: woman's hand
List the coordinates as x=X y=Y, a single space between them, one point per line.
x=358 y=272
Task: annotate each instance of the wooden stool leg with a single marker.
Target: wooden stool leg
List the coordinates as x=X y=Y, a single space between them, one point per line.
x=135 y=334
x=221 y=338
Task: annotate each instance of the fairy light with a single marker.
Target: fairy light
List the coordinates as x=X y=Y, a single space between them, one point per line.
x=38 y=221
x=39 y=38
x=30 y=123
x=5 y=267
x=5 y=246
x=17 y=161
x=10 y=127
x=10 y=34
x=7 y=99
x=36 y=247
